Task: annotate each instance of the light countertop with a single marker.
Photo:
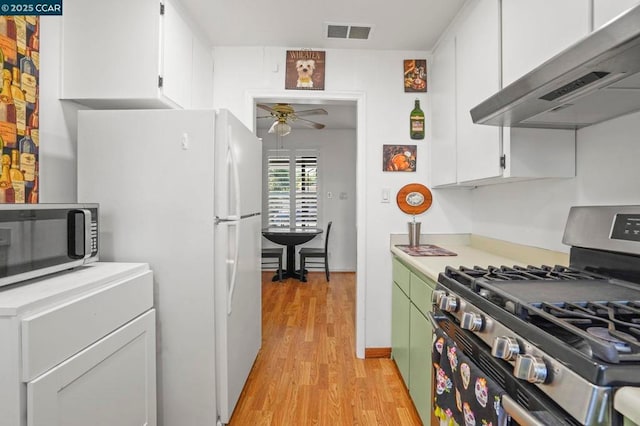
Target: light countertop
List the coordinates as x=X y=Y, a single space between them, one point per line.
x=474 y=250
x=627 y=402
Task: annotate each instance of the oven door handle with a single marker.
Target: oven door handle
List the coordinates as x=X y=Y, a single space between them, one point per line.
x=433 y=318
x=519 y=414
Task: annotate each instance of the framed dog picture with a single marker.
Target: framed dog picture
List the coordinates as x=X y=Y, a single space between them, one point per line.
x=304 y=70
x=415 y=75
x=399 y=158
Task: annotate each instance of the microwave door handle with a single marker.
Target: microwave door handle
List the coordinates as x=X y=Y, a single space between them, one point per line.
x=86 y=227
x=87 y=232
x=519 y=414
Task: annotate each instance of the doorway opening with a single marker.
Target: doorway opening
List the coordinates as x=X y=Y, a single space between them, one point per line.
x=340 y=150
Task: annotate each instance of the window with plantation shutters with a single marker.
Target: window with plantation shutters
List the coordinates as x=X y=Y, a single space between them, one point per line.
x=292 y=183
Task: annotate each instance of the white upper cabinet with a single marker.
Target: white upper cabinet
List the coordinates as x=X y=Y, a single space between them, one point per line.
x=526 y=44
x=123 y=54
x=202 y=76
x=477 y=78
x=605 y=10
x=442 y=88
x=466 y=70
x=177 y=52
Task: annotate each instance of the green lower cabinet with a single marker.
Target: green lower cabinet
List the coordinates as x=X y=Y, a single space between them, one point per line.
x=420 y=363
x=400 y=331
x=628 y=422
x=411 y=334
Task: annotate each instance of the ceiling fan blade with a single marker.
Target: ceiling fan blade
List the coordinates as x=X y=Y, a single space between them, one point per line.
x=318 y=111
x=266 y=108
x=310 y=123
x=266 y=116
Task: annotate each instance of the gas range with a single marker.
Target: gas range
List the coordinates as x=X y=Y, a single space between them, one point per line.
x=573 y=332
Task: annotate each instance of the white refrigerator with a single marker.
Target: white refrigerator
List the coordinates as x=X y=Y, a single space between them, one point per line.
x=181 y=190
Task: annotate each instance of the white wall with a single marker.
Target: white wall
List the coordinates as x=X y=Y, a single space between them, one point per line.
x=57 y=122
x=534 y=213
x=239 y=72
x=337 y=174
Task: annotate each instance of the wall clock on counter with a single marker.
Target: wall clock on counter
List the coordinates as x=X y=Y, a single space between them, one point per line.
x=414 y=198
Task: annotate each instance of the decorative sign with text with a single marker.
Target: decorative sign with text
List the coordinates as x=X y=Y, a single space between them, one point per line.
x=304 y=70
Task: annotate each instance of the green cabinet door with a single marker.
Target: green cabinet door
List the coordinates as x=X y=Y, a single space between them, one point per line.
x=628 y=422
x=400 y=331
x=420 y=363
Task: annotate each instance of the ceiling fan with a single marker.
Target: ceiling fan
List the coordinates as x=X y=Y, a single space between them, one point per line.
x=284 y=114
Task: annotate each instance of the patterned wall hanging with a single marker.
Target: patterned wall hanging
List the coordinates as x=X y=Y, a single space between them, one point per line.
x=19 y=110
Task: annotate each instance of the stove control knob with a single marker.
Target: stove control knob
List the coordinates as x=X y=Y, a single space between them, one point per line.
x=530 y=368
x=437 y=296
x=506 y=348
x=448 y=304
x=471 y=321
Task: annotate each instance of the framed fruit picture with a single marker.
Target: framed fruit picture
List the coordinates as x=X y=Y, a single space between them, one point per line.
x=399 y=158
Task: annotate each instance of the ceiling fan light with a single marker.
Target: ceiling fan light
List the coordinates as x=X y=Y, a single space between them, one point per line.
x=280 y=128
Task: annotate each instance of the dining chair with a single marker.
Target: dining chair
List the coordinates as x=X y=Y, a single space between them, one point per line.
x=272 y=256
x=322 y=254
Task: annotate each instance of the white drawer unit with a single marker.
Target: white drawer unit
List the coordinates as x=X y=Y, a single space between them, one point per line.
x=79 y=348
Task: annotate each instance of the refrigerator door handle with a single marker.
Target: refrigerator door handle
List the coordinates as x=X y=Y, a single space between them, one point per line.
x=218 y=220
x=235 y=173
x=234 y=273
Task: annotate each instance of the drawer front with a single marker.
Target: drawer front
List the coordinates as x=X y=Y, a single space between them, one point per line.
x=421 y=292
x=401 y=276
x=52 y=336
x=112 y=382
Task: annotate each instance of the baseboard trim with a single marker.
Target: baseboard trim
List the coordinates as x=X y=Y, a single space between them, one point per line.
x=377 y=352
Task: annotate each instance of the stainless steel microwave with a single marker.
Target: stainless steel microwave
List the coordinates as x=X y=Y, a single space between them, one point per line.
x=40 y=239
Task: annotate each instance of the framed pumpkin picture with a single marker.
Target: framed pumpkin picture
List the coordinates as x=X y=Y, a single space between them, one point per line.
x=399 y=158
x=415 y=75
x=304 y=70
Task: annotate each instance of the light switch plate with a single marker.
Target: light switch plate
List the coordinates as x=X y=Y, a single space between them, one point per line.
x=385 y=195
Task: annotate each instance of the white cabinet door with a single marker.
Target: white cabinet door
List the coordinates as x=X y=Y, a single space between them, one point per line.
x=177 y=53
x=112 y=59
x=202 y=76
x=477 y=78
x=605 y=10
x=111 y=382
x=110 y=51
x=443 y=114
x=526 y=43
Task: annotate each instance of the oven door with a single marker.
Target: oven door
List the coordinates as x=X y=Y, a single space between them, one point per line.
x=522 y=402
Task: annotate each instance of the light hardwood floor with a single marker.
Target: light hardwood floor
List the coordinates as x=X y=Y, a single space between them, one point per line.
x=306 y=372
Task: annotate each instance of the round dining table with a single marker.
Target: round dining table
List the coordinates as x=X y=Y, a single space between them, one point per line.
x=290 y=237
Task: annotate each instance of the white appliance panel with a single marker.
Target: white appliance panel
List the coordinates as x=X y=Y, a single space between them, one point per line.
x=154 y=175
x=238 y=309
x=239 y=164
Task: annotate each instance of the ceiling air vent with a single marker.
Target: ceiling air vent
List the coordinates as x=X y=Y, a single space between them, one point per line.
x=348 y=31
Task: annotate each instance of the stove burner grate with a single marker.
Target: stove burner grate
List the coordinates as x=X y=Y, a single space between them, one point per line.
x=603 y=328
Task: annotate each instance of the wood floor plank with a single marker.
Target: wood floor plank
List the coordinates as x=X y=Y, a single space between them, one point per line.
x=307 y=373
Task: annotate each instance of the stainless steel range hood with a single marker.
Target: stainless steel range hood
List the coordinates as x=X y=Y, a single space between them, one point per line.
x=596 y=79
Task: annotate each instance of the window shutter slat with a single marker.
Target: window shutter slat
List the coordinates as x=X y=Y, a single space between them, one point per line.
x=293 y=196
